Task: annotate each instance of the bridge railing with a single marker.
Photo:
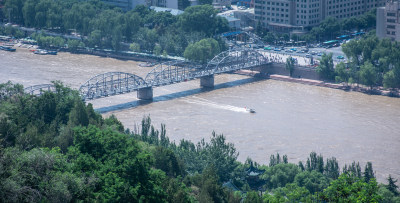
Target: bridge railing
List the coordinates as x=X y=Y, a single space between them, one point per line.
x=39 y=89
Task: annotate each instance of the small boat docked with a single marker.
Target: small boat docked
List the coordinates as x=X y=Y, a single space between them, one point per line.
x=7 y=48
x=40 y=52
x=52 y=52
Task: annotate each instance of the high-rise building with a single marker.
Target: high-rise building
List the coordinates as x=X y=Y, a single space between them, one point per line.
x=387 y=21
x=290 y=15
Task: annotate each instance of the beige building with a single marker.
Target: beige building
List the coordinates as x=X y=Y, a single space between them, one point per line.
x=387 y=21
x=290 y=15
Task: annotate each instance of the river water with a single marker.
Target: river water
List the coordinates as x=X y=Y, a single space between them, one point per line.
x=292 y=119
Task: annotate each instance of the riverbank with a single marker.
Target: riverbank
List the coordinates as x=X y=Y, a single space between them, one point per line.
x=352 y=87
x=125 y=55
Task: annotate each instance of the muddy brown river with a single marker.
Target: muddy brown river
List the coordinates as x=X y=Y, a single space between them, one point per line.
x=292 y=119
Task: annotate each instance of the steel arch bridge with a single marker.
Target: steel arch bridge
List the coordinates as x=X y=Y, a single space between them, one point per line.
x=114 y=83
x=236 y=59
x=227 y=61
x=109 y=84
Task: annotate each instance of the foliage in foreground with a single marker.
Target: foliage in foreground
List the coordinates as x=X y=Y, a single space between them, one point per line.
x=55 y=148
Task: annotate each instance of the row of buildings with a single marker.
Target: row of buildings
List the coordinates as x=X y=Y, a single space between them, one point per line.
x=127 y=5
x=297 y=15
x=290 y=15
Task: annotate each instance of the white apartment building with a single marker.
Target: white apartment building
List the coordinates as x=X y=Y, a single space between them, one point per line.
x=290 y=15
x=387 y=21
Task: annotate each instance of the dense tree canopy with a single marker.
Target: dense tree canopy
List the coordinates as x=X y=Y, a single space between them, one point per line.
x=102 y=26
x=373 y=62
x=56 y=148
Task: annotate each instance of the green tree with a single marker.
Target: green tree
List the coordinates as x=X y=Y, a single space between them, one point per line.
x=222 y=155
x=353 y=51
x=202 y=51
x=269 y=38
x=330 y=26
x=203 y=2
x=368 y=172
x=210 y=188
x=349 y=188
x=203 y=18
x=392 y=187
x=280 y=174
x=325 y=68
x=290 y=63
x=332 y=168
x=15 y=7
x=368 y=75
x=146 y=38
x=313 y=181
x=73 y=45
x=391 y=79
x=315 y=162
x=290 y=193
x=183 y=4
x=354 y=169
x=134 y=47
x=342 y=73
x=387 y=195
x=166 y=160
x=94 y=39
x=78 y=114
x=122 y=167
x=157 y=50
x=253 y=197
x=40 y=175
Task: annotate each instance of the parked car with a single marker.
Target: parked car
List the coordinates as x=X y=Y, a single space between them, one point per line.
x=340 y=57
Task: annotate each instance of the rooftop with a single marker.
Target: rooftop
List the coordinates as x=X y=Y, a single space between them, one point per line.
x=173 y=11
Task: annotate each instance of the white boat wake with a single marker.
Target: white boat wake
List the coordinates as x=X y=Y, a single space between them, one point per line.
x=205 y=102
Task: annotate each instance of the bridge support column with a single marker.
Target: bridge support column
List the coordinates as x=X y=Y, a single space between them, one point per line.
x=145 y=93
x=207 y=81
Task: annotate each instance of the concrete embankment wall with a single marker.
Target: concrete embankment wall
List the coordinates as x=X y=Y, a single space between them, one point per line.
x=279 y=69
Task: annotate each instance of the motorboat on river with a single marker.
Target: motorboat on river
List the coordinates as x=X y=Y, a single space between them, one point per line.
x=250 y=110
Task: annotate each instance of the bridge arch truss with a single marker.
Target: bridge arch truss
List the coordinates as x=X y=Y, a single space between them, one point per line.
x=109 y=84
x=173 y=72
x=235 y=59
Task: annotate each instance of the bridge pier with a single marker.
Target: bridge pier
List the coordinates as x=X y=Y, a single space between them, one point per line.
x=207 y=81
x=145 y=93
